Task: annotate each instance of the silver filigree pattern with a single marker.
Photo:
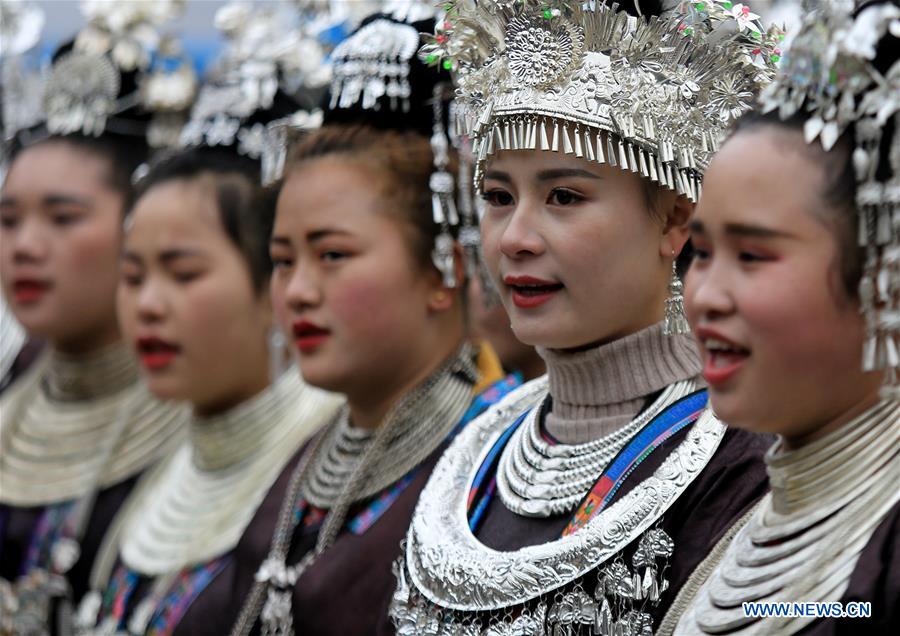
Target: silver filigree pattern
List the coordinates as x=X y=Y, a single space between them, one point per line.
x=582 y=78
x=453 y=570
x=538 y=52
x=80 y=93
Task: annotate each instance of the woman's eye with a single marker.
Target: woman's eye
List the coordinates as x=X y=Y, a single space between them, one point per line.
x=497 y=198
x=131 y=280
x=186 y=277
x=331 y=256
x=562 y=196
x=700 y=254
x=9 y=221
x=65 y=219
x=750 y=257
x=281 y=263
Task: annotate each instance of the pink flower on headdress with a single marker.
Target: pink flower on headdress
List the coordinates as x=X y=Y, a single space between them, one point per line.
x=744 y=17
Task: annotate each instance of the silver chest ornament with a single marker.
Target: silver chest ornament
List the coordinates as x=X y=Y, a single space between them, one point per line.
x=27 y=604
x=615 y=608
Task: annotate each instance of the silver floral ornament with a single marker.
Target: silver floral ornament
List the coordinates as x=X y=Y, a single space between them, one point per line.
x=729 y=99
x=539 y=50
x=80 y=93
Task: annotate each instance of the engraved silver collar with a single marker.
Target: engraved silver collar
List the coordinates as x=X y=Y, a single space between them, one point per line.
x=451 y=568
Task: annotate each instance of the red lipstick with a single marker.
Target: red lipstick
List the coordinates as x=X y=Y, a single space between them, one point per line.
x=27 y=291
x=155 y=353
x=308 y=336
x=529 y=292
x=722 y=357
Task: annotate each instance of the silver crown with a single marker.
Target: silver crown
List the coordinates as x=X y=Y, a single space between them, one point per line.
x=651 y=96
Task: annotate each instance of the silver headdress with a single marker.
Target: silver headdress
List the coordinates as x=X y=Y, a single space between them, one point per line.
x=82 y=92
x=651 y=96
x=374 y=63
x=265 y=45
x=82 y=89
x=828 y=76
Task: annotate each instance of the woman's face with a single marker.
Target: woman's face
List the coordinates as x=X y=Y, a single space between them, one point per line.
x=187 y=303
x=780 y=338
x=354 y=299
x=61 y=237
x=577 y=256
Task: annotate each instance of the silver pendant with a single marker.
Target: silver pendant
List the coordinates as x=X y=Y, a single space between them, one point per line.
x=64 y=554
x=26 y=603
x=276 y=617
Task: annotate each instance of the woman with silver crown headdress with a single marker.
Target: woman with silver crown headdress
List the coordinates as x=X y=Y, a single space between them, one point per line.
x=795 y=297
x=78 y=426
x=369 y=281
x=582 y=502
x=193 y=301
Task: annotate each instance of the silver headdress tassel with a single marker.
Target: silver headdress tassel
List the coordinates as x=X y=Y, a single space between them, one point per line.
x=828 y=74
x=442 y=184
x=469 y=235
x=372 y=63
x=651 y=96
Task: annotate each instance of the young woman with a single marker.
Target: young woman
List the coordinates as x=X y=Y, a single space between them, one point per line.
x=790 y=254
x=194 y=305
x=78 y=427
x=582 y=502
x=374 y=318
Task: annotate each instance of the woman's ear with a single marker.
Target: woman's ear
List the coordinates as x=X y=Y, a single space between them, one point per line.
x=678 y=209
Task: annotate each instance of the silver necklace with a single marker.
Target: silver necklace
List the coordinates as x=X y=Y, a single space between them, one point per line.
x=195 y=506
x=450 y=567
x=437 y=404
x=538 y=479
x=27 y=602
x=49 y=446
x=805 y=538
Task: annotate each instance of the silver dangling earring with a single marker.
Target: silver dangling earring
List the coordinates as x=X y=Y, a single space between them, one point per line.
x=676 y=320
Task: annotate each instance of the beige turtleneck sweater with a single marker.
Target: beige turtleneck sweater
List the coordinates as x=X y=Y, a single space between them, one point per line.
x=600 y=390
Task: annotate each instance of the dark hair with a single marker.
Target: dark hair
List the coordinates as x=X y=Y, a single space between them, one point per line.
x=636 y=8
x=404 y=159
x=246 y=209
x=123 y=154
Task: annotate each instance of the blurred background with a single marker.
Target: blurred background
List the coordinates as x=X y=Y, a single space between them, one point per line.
x=201 y=40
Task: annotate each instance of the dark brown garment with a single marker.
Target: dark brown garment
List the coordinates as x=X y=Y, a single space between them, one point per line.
x=215 y=609
x=348 y=590
x=18 y=526
x=876 y=579
x=733 y=480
